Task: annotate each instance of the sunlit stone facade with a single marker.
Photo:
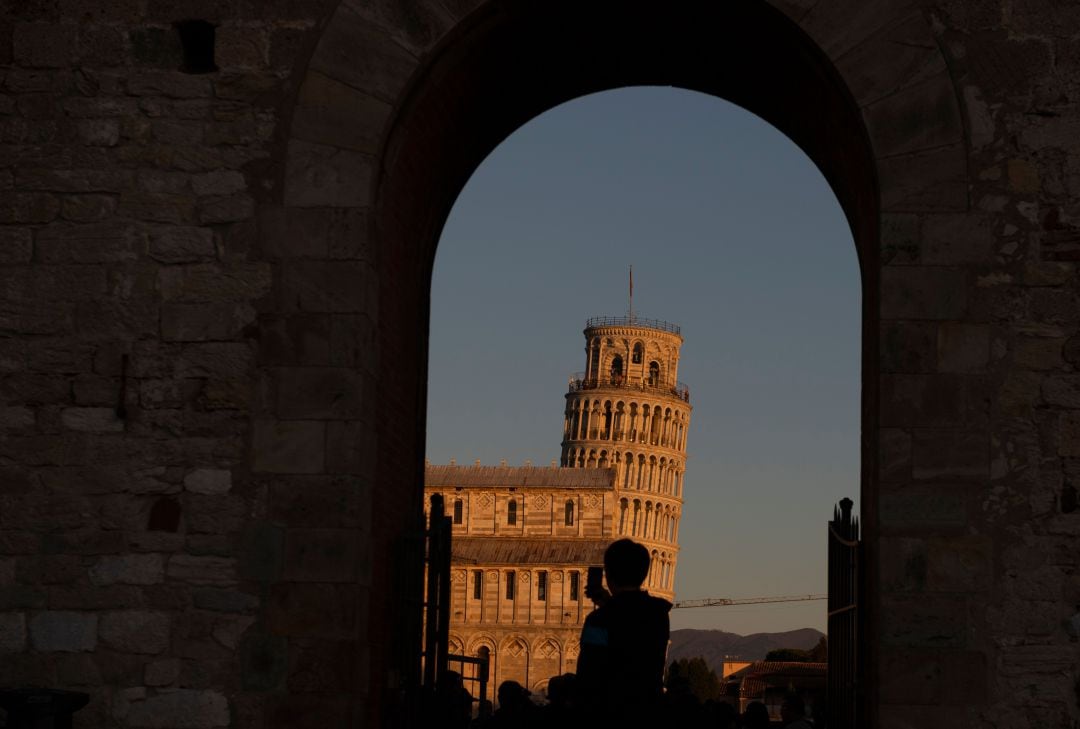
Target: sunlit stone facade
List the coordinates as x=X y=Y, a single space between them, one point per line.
x=524 y=537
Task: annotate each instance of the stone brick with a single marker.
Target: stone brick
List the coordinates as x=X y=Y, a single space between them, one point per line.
x=229 y=630
x=16 y=245
x=161 y=673
x=321 y=393
x=43 y=45
x=92 y=420
x=952 y=239
x=318 y=175
x=925 y=509
x=218 y=182
x=64 y=631
x=171 y=84
x=78 y=669
x=200 y=283
x=354 y=51
x=16 y=418
x=329 y=286
x=1069 y=444
x=315 y=610
x=295 y=446
x=99 y=132
x=320 y=501
x=225 y=208
x=911 y=677
x=12 y=632
x=240 y=48
x=135 y=631
x=931 y=181
x=263 y=662
x=1038 y=353
x=924 y=622
x=324 y=555
x=31 y=207
x=1062 y=391
x=910 y=292
x=214 y=514
x=50 y=569
x=182 y=245
x=960 y=564
x=129 y=569
x=323 y=106
x=215 y=360
x=156 y=47
x=908 y=346
x=87 y=208
x=919 y=117
x=296 y=339
x=208 y=481
x=157 y=207
x=204 y=322
x=180 y=709
x=933 y=400
x=198 y=570
x=350 y=448
x=105 y=242
x=262 y=549
x=7 y=570
x=225 y=601
x=962 y=347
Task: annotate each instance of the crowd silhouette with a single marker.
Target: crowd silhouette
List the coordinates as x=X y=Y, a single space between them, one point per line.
x=619 y=683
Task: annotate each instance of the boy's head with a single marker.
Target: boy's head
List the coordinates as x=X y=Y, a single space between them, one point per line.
x=626 y=564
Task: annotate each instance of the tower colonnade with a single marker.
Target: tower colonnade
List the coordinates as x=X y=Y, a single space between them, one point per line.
x=627 y=412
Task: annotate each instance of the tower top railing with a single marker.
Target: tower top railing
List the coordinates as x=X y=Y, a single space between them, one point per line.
x=579 y=382
x=632 y=321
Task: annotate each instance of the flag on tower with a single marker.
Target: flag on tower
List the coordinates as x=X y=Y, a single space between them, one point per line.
x=631 y=292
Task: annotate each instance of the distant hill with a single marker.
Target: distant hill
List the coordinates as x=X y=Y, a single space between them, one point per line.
x=713 y=645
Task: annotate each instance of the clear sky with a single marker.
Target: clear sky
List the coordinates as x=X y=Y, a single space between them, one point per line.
x=734 y=235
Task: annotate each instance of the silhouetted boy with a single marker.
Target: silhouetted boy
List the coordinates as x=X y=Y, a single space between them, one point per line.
x=623 y=644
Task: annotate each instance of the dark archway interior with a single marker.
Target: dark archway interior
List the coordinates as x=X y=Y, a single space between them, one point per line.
x=505 y=67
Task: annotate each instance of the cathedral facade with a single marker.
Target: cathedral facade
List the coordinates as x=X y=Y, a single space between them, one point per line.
x=524 y=537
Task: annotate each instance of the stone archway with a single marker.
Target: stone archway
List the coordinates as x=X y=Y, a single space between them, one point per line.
x=401 y=101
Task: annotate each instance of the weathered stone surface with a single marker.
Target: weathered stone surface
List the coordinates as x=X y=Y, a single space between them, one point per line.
x=208 y=481
x=319 y=175
x=324 y=555
x=161 y=673
x=135 y=631
x=92 y=420
x=201 y=570
x=16 y=245
x=963 y=347
x=129 y=569
x=329 y=286
x=12 y=632
x=59 y=630
x=226 y=601
x=315 y=610
x=263 y=662
x=324 y=105
x=180 y=709
x=910 y=292
x=204 y=322
x=182 y=245
x=289 y=446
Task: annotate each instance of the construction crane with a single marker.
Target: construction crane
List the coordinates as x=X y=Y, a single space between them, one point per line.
x=725 y=601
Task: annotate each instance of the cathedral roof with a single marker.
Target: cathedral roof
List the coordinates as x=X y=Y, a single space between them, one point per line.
x=518 y=477
x=514 y=551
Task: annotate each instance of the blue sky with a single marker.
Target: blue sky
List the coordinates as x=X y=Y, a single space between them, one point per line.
x=735 y=236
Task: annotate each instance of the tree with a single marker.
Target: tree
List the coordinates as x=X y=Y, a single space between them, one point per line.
x=818 y=654
x=693 y=675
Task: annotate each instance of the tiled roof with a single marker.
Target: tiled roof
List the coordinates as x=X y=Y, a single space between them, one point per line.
x=518 y=477
x=515 y=551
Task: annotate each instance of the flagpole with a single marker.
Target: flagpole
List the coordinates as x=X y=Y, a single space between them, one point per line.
x=631 y=293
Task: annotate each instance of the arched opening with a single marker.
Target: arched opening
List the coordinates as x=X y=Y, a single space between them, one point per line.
x=448 y=125
x=616 y=369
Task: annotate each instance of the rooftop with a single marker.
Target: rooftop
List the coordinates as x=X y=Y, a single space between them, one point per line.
x=514 y=551
x=546 y=477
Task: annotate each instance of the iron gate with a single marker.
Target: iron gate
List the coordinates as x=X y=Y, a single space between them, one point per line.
x=846 y=646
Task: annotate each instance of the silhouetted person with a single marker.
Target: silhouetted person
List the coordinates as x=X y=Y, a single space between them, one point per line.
x=454 y=701
x=755 y=716
x=561 y=710
x=721 y=714
x=793 y=712
x=515 y=709
x=623 y=644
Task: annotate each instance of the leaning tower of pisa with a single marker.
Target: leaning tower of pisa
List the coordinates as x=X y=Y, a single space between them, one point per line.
x=629 y=412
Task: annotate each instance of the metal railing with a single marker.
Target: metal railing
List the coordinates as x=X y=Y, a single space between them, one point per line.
x=579 y=382
x=479 y=676
x=632 y=321
x=846 y=692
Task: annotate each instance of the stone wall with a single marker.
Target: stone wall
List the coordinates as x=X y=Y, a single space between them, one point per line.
x=213 y=526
